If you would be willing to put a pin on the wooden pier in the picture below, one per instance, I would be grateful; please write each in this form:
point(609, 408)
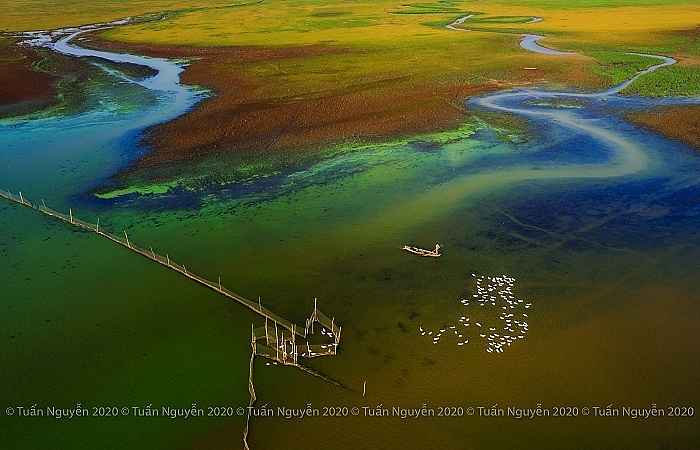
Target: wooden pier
point(269, 316)
point(276, 340)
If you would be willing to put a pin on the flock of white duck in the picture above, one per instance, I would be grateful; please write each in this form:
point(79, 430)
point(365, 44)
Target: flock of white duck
point(494, 292)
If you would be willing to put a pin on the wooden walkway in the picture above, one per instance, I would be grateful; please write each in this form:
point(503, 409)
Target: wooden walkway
point(180, 268)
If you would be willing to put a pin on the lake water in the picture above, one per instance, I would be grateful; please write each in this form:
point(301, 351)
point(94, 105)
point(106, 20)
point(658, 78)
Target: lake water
point(597, 235)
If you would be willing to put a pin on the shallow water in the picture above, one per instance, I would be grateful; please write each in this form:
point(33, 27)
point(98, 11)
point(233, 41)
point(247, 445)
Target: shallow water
point(598, 233)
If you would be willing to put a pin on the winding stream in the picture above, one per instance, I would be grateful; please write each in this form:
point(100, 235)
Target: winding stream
point(78, 151)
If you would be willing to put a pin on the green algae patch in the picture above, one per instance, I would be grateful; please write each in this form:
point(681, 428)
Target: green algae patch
point(141, 190)
point(226, 169)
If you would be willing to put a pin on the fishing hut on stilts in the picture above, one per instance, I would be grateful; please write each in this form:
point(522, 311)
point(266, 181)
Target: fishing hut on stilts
point(280, 344)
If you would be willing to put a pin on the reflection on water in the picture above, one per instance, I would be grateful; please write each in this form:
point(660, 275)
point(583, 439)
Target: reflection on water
point(598, 237)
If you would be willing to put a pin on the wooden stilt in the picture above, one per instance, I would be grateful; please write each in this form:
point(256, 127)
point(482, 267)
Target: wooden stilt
point(294, 347)
point(277, 342)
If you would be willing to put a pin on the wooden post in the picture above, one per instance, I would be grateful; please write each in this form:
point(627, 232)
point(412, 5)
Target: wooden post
point(252, 339)
point(152, 252)
point(20, 197)
point(168, 259)
point(259, 305)
point(70, 211)
point(98, 223)
point(220, 283)
point(294, 340)
point(277, 342)
point(42, 202)
point(127, 239)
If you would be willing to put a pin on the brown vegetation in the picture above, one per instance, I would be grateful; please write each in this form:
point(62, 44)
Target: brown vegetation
point(23, 89)
point(247, 115)
point(681, 123)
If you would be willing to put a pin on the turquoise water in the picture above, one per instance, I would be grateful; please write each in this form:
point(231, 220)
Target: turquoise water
point(596, 222)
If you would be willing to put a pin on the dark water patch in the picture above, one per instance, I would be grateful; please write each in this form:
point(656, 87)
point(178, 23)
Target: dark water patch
point(126, 69)
point(615, 217)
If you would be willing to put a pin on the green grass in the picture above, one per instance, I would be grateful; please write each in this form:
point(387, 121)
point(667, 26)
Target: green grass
point(588, 4)
point(682, 81)
point(619, 67)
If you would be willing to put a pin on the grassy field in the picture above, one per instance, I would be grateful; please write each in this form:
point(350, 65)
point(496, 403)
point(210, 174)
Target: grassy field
point(331, 73)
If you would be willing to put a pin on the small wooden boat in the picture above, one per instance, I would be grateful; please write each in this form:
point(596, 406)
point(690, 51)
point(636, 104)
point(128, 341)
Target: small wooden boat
point(423, 252)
